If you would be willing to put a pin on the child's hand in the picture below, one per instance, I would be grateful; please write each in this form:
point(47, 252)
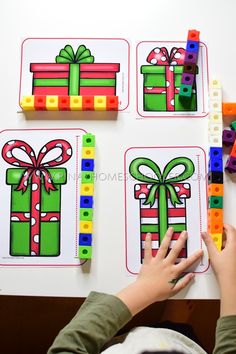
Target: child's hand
point(159, 277)
point(224, 265)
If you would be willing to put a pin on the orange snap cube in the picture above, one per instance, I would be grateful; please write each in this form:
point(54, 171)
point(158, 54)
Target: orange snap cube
point(215, 190)
point(229, 108)
point(233, 150)
point(215, 221)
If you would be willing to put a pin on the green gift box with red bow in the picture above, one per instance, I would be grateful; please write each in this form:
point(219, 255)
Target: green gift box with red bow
point(35, 202)
point(74, 74)
point(161, 81)
point(162, 200)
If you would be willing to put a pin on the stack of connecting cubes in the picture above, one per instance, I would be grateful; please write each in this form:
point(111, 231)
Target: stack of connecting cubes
point(86, 197)
point(215, 167)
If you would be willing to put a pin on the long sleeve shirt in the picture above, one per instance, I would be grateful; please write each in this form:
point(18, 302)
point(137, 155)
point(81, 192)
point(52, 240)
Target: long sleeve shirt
point(102, 316)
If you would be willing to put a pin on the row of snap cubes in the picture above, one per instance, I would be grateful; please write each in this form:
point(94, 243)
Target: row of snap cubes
point(190, 67)
point(86, 197)
point(69, 103)
point(215, 165)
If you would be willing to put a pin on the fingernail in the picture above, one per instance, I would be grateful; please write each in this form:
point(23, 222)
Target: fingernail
point(148, 236)
point(184, 234)
point(192, 276)
point(170, 229)
point(203, 234)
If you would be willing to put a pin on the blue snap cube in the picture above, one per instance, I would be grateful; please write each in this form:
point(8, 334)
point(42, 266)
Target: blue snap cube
point(215, 165)
point(85, 239)
point(192, 46)
point(86, 201)
point(215, 153)
point(87, 165)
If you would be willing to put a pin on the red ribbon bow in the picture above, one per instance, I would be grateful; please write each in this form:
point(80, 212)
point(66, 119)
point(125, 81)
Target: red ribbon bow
point(35, 169)
point(160, 56)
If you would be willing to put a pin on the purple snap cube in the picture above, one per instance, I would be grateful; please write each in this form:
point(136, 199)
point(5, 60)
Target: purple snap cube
point(228, 137)
point(187, 79)
point(190, 57)
point(231, 164)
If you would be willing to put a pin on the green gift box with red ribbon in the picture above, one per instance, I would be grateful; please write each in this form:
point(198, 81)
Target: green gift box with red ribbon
point(74, 74)
point(161, 81)
point(162, 199)
point(35, 214)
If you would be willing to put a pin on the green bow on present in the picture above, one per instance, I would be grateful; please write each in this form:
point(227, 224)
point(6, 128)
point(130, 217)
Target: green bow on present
point(162, 183)
point(68, 56)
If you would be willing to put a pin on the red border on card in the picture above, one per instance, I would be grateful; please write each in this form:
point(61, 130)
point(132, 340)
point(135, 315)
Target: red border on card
point(76, 38)
point(170, 116)
point(199, 197)
point(46, 265)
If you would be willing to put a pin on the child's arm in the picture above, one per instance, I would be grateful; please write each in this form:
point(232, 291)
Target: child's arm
point(97, 321)
point(159, 278)
point(102, 316)
point(224, 266)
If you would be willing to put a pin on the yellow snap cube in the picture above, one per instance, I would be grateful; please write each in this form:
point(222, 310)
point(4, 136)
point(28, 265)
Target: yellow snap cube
point(87, 189)
point(76, 103)
point(86, 227)
point(215, 84)
point(52, 103)
point(88, 152)
point(27, 103)
point(215, 117)
point(100, 103)
point(217, 238)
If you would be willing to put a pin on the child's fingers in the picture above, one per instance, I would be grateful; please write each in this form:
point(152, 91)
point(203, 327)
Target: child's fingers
point(211, 247)
point(148, 248)
point(188, 262)
point(162, 252)
point(183, 282)
point(175, 251)
point(230, 234)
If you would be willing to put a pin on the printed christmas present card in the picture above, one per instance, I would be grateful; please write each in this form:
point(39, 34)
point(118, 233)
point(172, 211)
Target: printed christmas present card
point(75, 67)
point(159, 70)
point(165, 186)
point(40, 194)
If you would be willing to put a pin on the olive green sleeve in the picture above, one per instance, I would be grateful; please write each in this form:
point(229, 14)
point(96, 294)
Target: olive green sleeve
point(97, 321)
point(225, 335)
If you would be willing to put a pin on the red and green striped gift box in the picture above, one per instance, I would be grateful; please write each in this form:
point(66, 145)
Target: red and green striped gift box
point(74, 74)
point(66, 79)
point(149, 216)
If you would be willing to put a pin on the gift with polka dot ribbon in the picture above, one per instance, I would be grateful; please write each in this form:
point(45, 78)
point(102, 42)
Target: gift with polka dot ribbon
point(35, 196)
point(162, 79)
point(162, 199)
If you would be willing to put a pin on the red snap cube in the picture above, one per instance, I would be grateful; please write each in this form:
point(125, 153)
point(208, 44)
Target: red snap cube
point(64, 103)
point(40, 103)
point(88, 103)
point(112, 103)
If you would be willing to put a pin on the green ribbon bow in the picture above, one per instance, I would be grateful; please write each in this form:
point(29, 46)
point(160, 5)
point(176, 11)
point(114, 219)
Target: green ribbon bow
point(162, 183)
point(67, 55)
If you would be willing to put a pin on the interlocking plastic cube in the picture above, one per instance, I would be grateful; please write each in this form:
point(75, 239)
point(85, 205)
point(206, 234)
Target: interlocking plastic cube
point(27, 103)
point(52, 103)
